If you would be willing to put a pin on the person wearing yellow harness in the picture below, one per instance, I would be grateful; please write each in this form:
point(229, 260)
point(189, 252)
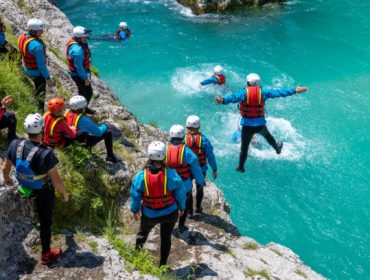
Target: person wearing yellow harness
point(95, 133)
point(183, 159)
point(57, 132)
point(37, 174)
point(157, 196)
point(252, 110)
point(202, 147)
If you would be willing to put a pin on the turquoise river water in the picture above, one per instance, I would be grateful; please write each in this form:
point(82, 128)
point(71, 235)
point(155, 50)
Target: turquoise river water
point(314, 197)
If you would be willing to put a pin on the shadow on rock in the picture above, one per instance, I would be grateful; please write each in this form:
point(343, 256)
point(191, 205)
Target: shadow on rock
point(196, 271)
point(218, 222)
point(72, 258)
point(196, 238)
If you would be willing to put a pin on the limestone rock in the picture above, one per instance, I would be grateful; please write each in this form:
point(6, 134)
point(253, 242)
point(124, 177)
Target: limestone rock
point(214, 6)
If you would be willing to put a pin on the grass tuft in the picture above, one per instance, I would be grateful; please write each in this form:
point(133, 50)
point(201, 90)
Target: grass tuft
point(252, 272)
point(250, 246)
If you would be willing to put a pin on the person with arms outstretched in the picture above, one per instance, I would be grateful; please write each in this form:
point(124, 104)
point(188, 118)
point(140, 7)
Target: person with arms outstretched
point(252, 109)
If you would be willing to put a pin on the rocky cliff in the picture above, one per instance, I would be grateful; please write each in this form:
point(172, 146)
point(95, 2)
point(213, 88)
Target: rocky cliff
point(213, 247)
point(214, 6)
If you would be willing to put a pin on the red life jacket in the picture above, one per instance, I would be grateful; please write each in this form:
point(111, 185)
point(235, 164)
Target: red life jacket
point(87, 60)
point(28, 60)
point(72, 118)
point(52, 138)
point(128, 33)
point(253, 106)
point(156, 195)
point(2, 112)
point(175, 159)
point(194, 142)
point(220, 78)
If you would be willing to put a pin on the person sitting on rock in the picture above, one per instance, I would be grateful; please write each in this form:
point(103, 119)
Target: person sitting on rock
point(216, 79)
point(252, 110)
point(202, 147)
point(123, 33)
point(33, 51)
point(182, 158)
point(8, 119)
point(77, 119)
point(79, 63)
point(57, 132)
point(37, 174)
point(158, 197)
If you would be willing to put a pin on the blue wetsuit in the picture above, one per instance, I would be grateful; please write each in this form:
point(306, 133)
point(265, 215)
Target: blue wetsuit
point(239, 96)
point(250, 126)
point(36, 49)
point(174, 183)
point(212, 80)
point(2, 39)
point(77, 53)
point(87, 125)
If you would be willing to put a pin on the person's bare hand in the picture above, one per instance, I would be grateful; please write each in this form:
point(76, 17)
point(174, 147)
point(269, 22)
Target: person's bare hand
point(137, 216)
point(300, 89)
point(7, 101)
point(219, 100)
point(181, 212)
point(87, 82)
point(214, 175)
point(65, 197)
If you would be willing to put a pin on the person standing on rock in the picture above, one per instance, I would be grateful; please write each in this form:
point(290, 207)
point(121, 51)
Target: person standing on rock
point(202, 147)
point(123, 33)
point(158, 197)
point(252, 109)
point(217, 78)
point(37, 174)
point(33, 51)
point(79, 63)
point(182, 158)
point(77, 119)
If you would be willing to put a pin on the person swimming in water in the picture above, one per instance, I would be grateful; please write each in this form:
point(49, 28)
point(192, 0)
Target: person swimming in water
point(217, 78)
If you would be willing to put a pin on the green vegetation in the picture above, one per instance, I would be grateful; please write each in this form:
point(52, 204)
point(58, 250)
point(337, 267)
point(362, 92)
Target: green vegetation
point(153, 124)
point(301, 273)
point(277, 252)
point(227, 250)
point(250, 246)
point(23, 6)
point(95, 71)
point(10, 36)
point(14, 82)
point(93, 202)
point(252, 272)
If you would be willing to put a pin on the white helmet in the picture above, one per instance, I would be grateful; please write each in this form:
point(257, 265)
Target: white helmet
point(177, 131)
point(156, 150)
point(35, 24)
point(77, 102)
point(33, 123)
point(253, 79)
point(123, 25)
point(81, 32)
point(193, 121)
point(218, 69)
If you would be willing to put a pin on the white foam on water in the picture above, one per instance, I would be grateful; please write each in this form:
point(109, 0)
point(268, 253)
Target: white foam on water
point(294, 144)
point(186, 80)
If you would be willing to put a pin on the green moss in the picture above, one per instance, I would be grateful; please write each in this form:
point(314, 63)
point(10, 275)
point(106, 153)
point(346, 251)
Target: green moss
point(250, 246)
point(10, 36)
point(153, 124)
point(251, 272)
point(227, 250)
point(95, 71)
point(277, 252)
point(23, 6)
point(93, 245)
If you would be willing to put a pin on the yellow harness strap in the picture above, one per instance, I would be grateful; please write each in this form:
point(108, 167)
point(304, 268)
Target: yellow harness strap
point(146, 183)
point(164, 184)
point(53, 126)
point(259, 96)
point(23, 51)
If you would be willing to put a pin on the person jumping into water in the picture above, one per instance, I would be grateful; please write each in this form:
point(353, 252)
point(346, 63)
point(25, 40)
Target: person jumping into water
point(217, 78)
point(252, 109)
